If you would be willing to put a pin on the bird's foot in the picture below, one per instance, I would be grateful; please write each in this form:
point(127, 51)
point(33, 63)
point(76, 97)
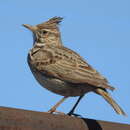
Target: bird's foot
point(71, 113)
point(51, 111)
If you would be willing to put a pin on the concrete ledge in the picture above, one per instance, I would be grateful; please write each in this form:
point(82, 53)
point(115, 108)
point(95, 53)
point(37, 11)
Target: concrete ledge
point(18, 119)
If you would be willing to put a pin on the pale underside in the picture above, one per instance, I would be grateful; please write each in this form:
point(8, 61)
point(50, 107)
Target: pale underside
point(66, 65)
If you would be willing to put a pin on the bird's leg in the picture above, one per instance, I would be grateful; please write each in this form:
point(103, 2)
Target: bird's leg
point(72, 110)
point(53, 109)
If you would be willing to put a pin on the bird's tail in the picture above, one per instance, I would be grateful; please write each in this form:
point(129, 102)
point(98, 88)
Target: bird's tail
point(109, 99)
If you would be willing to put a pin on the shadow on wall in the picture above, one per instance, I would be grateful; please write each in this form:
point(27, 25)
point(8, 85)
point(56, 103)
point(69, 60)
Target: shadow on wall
point(92, 124)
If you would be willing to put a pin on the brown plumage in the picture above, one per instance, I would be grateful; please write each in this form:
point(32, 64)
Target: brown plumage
point(51, 23)
point(62, 70)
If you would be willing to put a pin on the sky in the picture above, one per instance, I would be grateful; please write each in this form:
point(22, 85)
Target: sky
point(98, 30)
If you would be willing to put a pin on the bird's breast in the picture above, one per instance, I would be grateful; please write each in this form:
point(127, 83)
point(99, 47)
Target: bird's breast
point(60, 87)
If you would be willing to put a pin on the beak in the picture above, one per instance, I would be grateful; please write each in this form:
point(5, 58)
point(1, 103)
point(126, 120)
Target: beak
point(31, 28)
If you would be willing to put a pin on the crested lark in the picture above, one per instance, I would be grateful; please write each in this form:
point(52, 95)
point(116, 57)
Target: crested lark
point(62, 70)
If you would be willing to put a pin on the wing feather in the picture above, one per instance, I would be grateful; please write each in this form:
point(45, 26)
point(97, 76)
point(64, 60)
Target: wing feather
point(67, 65)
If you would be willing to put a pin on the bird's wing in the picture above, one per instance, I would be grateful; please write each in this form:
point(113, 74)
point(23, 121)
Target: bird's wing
point(65, 64)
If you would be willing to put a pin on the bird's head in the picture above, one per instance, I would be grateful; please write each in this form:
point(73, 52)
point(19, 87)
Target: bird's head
point(47, 32)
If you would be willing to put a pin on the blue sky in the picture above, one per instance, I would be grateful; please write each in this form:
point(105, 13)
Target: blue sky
point(98, 30)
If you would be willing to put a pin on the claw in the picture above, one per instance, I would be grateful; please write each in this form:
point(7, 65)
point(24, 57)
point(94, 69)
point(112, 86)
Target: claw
point(51, 111)
point(73, 114)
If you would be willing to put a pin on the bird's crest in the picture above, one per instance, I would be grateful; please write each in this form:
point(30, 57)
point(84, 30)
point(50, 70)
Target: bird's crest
point(51, 23)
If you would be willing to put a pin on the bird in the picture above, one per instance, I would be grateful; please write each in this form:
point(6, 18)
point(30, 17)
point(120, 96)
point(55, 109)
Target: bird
point(62, 70)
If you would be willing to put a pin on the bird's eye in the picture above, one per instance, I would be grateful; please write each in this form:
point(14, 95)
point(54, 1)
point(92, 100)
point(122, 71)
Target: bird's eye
point(44, 32)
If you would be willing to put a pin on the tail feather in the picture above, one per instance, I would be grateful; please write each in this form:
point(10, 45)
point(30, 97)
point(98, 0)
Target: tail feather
point(109, 99)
